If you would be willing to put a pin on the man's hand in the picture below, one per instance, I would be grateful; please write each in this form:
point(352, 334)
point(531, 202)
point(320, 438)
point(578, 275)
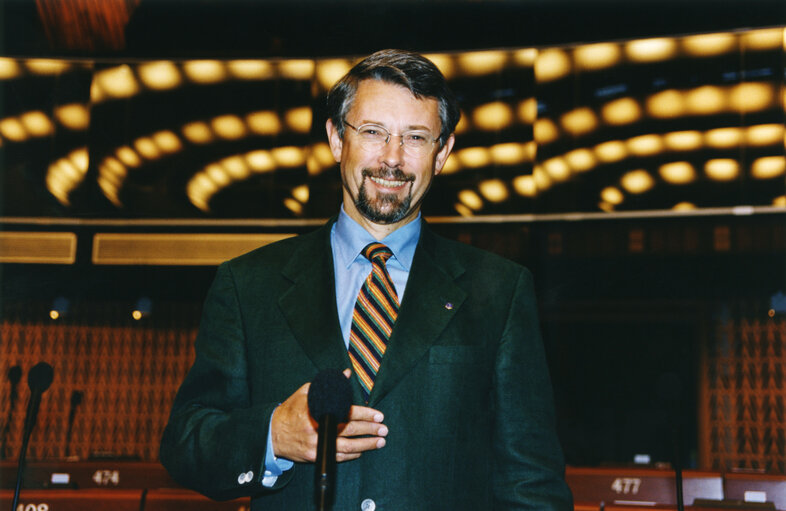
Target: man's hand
point(295, 431)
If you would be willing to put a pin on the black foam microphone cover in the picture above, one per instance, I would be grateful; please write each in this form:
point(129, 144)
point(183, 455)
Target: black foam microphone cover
point(330, 394)
point(40, 377)
point(14, 375)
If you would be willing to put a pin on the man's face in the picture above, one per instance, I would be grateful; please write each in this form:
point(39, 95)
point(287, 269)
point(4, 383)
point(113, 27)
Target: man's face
point(385, 187)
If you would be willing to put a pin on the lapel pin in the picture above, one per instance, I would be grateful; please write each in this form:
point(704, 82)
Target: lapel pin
point(449, 306)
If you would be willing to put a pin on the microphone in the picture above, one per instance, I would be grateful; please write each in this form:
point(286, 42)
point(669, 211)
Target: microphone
point(38, 379)
point(669, 389)
point(14, 375)
point(76, 400)
point(329, 401)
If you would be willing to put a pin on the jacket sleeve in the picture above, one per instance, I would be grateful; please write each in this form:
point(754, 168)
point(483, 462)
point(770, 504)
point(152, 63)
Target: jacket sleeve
point(215, 440)
point(528, 462)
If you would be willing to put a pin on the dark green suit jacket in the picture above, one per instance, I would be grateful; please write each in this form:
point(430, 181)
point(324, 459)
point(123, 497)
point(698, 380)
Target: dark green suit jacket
point(463, 385)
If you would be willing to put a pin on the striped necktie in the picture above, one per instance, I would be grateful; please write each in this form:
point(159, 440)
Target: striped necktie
point(375, 313)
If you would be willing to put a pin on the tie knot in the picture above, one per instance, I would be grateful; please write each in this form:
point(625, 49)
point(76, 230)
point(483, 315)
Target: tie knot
point(377, 252)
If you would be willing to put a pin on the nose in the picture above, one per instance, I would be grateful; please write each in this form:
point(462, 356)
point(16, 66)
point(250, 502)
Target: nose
point(393, 152)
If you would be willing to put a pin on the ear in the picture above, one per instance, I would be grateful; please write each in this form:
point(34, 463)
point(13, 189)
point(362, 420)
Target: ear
point(336, 144)
point(442, 154)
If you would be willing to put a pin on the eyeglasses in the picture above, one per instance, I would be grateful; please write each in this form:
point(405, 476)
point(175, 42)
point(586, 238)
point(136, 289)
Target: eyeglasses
point(374, 137)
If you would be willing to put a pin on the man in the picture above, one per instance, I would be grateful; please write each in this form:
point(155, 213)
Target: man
point(452, 400)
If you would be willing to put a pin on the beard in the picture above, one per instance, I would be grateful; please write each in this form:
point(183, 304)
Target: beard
point(385, 208)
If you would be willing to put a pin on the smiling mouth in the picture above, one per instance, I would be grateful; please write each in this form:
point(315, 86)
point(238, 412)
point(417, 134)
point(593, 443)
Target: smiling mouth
point(396, 180)
point(389, 183)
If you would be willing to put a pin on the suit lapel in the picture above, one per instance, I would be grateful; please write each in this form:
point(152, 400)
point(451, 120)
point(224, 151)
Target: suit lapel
point(431, 299)
point(310, 303)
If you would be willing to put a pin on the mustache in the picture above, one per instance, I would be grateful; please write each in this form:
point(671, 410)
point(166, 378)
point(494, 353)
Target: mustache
point(391, 174)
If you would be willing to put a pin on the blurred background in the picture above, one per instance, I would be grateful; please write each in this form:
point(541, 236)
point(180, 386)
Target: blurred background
point(631, 154)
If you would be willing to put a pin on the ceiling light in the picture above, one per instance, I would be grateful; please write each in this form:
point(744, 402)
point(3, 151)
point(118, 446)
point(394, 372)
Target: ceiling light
point(264, 123)
point(299, 119)
point(551, 65)
point(46, 66)
point(462, 210)
point(74, 116)
point(557, 169)
point(12, 129)
point(289, 156)
point(494, 190)
point(637, 181)
point(525, 57)
point(645, 145)
point(666, 104)
point(492, 116)
point(218, 175)
point(621, 111)
point(611, 151)
point(452, 165)
point(9, 68)
point(470, 199)
point(128, 156)
point(204, 71)
point(160, 75)
point(474, 157)
point(579, 121)
point(765, 39)
point(444, 63)
point(581, 160)
point(706, 45)
point(650, 50)
point(511, 153)
point(768, 167)
point(197, 132)
point(115, 82)
point(527, 110)
point(147, 148)
point(167, 141)
point(677, 173)
point(297, 69)
point(723, 138)
point(612, 195)
point(597, 56)
point(752, 96)
point(765, 134)
point(705, 100)
point(230, 127)
point(722, 169)
point(542, 179)
point(293, 205)
point(684, 206)
point(525, 185)
point(236, 167)
point(37, 123)
point(545, 131)
point(477, 63)
point(301, 193)
point(250, 69)
point(260, 161)
point(683, 140)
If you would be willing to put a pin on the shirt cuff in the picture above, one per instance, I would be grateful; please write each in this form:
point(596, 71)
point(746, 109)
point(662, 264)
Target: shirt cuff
point(274, 466)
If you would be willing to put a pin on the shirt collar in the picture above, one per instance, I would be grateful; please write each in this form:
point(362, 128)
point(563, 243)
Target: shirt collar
point(351, 238)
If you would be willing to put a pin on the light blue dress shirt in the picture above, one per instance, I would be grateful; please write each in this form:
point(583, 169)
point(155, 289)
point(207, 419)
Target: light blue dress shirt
point(350, 267)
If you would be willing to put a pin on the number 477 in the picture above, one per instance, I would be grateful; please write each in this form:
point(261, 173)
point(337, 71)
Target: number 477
point(626, 485)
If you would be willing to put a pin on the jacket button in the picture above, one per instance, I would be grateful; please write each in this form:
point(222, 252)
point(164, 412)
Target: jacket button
point(368, 505)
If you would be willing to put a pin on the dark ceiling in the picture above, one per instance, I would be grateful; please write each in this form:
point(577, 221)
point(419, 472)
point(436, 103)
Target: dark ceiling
point(259, 28)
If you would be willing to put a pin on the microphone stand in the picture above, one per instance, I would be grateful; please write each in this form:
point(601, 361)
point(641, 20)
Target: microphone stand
point(32, 409)
point(38, 379)
point(326, 454)
point(14, 375)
